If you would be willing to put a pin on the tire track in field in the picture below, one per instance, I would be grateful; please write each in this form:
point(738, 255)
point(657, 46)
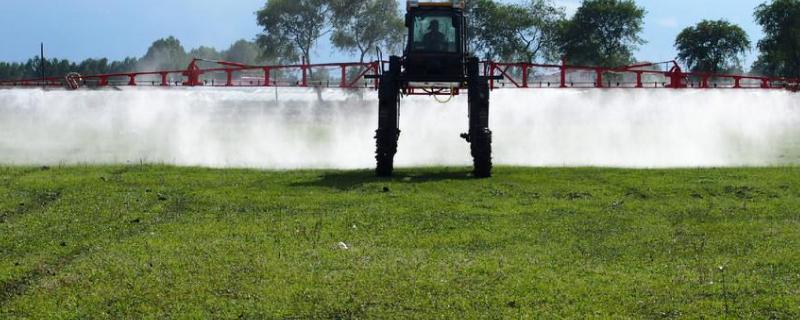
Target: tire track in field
point(178, 203)
point(17, 287)
point(37, 201)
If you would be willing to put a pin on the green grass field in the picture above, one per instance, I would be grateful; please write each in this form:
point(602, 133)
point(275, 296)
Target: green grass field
point(159, 242)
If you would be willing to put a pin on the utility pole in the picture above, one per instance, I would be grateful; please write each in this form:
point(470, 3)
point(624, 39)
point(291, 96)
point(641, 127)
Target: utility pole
point(41, 65)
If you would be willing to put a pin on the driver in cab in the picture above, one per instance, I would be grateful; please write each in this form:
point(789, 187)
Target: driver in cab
point(434, 40)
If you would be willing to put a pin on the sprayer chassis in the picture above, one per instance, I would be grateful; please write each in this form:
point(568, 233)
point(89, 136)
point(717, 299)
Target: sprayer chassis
point(394, 81)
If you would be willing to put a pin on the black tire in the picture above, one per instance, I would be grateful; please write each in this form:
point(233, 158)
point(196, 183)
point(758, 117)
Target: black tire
point(479, 136)
point(388, 132)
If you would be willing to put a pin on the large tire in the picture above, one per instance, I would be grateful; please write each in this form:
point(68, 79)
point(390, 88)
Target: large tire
point(479, 136)
point(388, 132)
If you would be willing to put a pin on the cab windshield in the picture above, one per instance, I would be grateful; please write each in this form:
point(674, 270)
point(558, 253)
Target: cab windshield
point(434, 33)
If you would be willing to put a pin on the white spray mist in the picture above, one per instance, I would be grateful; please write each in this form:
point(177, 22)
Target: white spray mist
point(291, 128)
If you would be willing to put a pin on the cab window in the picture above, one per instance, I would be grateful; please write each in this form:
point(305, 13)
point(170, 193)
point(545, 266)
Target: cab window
point(434, 33)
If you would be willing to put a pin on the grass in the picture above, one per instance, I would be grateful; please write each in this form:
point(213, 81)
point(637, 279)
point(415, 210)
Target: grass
point(162, 242)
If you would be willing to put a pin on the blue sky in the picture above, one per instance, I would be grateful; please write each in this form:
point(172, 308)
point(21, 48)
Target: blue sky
point(79, 29)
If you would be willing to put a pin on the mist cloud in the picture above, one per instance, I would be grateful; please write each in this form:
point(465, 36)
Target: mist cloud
point(290, 128)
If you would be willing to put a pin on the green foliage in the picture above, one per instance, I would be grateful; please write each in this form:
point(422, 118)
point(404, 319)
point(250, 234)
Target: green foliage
point(602, 33)
point(11, 70)
point(514, 31)
point(60, 67)
point(94, 66)
point(780, 47)
point(133, 242)
point(292, 27)
point(712, 46)
point(361, 25)
point(126, 65)
point(165, 54)
point(204, 52)
point(244, 51)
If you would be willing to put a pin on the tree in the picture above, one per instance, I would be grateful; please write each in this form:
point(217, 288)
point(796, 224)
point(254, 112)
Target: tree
point(11, 70)
point(93, 66)
point(204, 52)
point(712, 46)
point(57, 68)
point(361, 25)
point(780, 47)
point(483, 32)
point(535, 28)
point(127, 65)
point(602, 33)
point(243, 51)
point(292, 27)
point(165, 54)
point(525, 31)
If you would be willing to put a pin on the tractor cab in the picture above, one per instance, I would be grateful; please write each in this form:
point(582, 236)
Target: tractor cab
point(436, 46)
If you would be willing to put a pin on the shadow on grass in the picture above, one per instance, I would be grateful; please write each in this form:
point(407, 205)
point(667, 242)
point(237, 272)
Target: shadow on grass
point(346, 180)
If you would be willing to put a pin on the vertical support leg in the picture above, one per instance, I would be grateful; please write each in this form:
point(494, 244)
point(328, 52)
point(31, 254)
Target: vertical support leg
point(639, 80)
point(343, 82)
point(375, 71)
point(229, 78)
point(305, 76)
point(599, 79)
point(491, 75)
point(492, 68)
point(525, 68)
point(266, 77)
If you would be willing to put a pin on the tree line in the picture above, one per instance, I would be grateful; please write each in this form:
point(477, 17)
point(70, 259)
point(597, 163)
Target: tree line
point(600, 33)
point(164, 54)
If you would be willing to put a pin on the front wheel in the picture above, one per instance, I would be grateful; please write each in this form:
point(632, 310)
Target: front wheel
point(386, 145)
point(481, 146)
point(479, 136)
point(388, 132)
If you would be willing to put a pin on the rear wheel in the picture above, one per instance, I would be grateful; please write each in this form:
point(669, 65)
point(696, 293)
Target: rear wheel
point(388, 132)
